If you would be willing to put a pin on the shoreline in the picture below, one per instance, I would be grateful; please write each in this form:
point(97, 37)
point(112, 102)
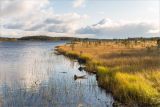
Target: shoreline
point(110, 79)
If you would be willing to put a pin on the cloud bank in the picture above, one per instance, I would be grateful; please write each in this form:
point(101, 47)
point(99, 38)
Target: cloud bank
point(32, 17)
point(106, 28)
point(21, 7)
point(36, 16)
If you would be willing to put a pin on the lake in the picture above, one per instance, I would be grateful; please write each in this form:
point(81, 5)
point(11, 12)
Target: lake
point(31, 75)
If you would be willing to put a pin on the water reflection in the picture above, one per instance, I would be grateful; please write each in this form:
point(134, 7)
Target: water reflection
point(32, 76)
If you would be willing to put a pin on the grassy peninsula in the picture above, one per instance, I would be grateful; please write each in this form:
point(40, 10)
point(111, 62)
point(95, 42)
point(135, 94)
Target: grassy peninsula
point(129, 68)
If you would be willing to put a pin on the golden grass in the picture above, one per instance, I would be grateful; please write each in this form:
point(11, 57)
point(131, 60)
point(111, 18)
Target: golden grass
point(128, 69)
point(130, 87)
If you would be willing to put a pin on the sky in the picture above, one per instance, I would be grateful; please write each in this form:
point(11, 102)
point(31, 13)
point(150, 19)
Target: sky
point(80, 18)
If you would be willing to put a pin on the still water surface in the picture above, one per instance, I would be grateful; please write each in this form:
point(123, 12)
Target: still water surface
point(31, 75)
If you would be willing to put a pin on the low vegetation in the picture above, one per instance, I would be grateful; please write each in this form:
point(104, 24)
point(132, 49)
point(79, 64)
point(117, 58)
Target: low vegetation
point(45, 38)
point(7, 39)
point(129, 69)
point(40, 38)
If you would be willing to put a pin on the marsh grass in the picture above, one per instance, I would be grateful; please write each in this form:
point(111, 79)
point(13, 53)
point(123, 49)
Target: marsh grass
point(130, 70)
point(129, 87)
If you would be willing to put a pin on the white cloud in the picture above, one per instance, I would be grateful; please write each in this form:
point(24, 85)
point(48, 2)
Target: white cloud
point(20, 7)
point(107, 28)
point(65, 23)
point(154, 31)
point(78, 3)
point(19, 33)
point(36, 16)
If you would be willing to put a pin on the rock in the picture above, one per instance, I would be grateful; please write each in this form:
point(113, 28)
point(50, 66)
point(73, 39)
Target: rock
point(79, 77)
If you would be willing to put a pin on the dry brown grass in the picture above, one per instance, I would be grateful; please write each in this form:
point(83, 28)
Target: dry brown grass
point(130, 69)
point(140, 56)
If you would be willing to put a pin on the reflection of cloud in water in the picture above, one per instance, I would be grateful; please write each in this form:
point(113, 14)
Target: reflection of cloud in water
point(47, 96)
point(24, 65)
point(35, 80)
point(36, 68)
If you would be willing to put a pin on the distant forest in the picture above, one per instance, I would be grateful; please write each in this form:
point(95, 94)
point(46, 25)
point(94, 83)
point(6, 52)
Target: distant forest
point(48, 38)
point(37, 38)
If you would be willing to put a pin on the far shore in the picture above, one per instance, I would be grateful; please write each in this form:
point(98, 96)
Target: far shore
point(36, 38)
point(49, 38)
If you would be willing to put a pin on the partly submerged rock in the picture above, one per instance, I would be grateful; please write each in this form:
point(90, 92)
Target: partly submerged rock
point(79, 77)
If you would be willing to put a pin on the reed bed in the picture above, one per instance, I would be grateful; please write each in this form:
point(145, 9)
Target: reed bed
point(129, 69)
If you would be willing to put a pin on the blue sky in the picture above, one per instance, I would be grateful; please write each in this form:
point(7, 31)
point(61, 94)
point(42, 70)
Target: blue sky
point(82, 18)
point(115, 9)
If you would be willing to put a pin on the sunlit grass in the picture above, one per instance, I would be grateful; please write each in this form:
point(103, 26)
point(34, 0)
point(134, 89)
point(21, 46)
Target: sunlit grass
point(134, 87)
point(131, 87)
point(130, 70)
point(86, 57)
